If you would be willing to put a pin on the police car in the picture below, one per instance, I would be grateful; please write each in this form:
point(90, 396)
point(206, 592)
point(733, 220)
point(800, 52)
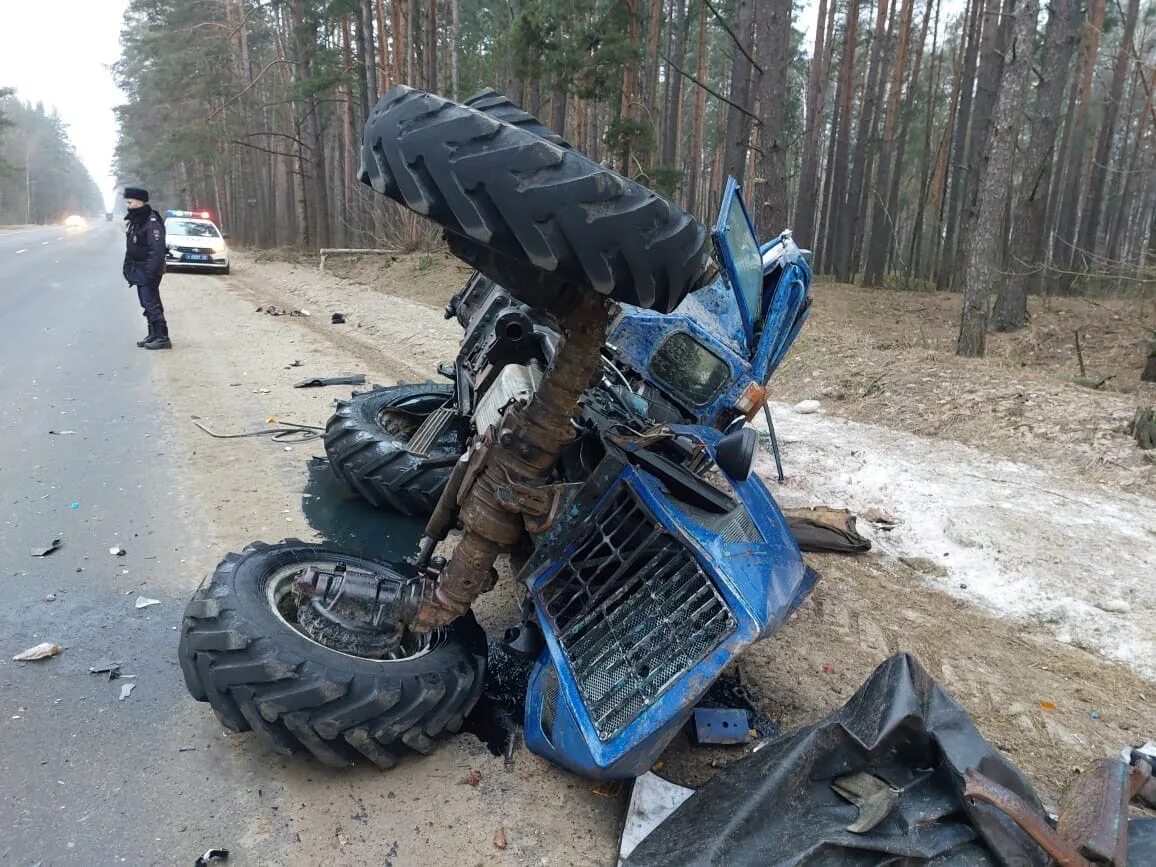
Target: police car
point(194, 241)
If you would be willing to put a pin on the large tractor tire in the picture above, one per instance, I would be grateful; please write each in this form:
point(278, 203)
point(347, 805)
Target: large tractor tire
point(512, 202)
point(366, 441)
point(243, 651)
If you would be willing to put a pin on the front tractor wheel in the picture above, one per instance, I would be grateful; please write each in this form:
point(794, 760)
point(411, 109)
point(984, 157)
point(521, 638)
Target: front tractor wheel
point(244, 651)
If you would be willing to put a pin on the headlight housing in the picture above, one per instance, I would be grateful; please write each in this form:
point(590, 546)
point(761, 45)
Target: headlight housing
point(217, 246)
point(689, 369)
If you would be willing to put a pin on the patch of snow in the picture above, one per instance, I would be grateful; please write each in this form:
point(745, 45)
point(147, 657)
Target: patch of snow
point(1076, 559)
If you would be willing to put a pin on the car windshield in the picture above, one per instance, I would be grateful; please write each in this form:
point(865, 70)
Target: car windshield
point(189, 228)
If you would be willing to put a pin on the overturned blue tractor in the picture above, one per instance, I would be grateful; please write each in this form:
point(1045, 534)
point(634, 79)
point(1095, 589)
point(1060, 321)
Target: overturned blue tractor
point(593, 429)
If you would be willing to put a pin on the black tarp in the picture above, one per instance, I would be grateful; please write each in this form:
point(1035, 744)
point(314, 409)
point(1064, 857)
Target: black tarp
point(776, 806)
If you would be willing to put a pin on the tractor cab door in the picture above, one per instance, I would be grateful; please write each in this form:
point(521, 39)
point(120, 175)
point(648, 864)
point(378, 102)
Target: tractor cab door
point(771, 283)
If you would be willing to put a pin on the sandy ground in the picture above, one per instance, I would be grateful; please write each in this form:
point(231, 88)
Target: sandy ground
point(231, 368)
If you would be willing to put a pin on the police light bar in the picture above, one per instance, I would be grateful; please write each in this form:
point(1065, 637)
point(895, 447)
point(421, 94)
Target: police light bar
point(203, 215)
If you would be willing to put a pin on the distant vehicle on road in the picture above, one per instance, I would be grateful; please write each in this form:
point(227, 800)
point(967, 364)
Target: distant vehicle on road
point(108, 216)
point(195, 242)
point(75, 223)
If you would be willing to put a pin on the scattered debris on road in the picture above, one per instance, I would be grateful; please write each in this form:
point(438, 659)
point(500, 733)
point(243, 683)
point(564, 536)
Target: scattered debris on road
point(338, 319)
point(210, 856)
point(281, 311)
point(288, 432)
point(318, 381)
point(40, 651)
point(500, 838)
point(50, 597)
point(126, 690)
point(471, 779)
point(54, 545)
point(145, 602)
point(117, 551)
point(61, 433)
point(106, 666)
point(807, 407)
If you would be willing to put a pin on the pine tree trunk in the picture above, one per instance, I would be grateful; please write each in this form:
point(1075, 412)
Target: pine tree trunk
point(1026, 260)
point(738, 129)
point(455, 53)
point(1090, 239)
point(983, 232)
point(400, 42)
point(841, 215)
point(883, 226)
point(917, 254)
point(774, 31)
point(382, 59)
point(365, 50)
point(652, 65)
point(1066, 215)
point(872, 149)
point(680, 23)
point(431, 46)
point(826, 247)
point(957, 168)
point(804, 222)
point(1127, 201)
point(696, 136)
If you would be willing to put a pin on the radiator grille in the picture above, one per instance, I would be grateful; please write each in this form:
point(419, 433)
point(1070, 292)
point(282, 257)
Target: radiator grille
point(633, 611)
point(549, 702)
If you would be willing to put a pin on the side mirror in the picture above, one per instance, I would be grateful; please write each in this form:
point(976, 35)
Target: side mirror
point(736, 453)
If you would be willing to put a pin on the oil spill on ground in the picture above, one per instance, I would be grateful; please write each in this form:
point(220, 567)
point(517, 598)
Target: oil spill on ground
point(497, 717)
point(342, 517)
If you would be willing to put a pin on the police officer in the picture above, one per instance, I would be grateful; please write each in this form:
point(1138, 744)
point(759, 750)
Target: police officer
point(144, 263)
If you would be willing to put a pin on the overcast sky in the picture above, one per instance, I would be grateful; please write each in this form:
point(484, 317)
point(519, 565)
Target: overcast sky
point(58, 52)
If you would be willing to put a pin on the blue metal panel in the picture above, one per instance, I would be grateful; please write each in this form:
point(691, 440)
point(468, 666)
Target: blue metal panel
point(761, 582)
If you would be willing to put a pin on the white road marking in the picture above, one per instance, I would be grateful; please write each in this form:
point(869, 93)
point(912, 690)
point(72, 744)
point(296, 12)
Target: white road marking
point(25, 250)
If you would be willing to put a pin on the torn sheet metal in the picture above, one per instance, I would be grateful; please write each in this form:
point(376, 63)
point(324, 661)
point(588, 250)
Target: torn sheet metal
point(651, 801)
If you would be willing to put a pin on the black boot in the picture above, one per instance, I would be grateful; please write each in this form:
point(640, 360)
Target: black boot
point(160, 339)
point(152, 333)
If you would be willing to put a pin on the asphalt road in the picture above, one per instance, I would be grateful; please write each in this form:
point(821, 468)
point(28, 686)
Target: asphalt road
point(89, 778)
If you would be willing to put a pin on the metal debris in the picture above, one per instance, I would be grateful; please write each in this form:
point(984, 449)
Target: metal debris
point(210, 856)
point(117, 551)
point(54, 545)
point(874, 798)
point(145, 602)
point(106, 666)
point(718, 725)
point(317, 381)
point(40, 651)
point(126, 690)
point(651, 801)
